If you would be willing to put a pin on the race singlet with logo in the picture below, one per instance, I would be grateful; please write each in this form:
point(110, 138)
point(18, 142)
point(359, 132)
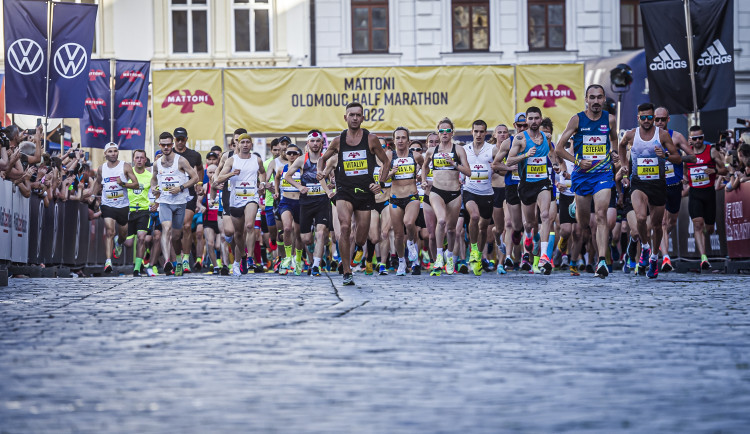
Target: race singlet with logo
point(355, 164)
point(591, 142)
point(440, 161)
point(113, 194)
point(536, 168)
point(287, 187)
point(407, 168)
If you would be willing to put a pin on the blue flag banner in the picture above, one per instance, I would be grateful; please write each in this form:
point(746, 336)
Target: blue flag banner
point(25, 56)
point(96, 121)
point(131, 99)
point(73, 27)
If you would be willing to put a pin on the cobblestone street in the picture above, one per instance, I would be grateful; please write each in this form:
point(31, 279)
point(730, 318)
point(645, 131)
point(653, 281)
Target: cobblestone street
point(520, 353)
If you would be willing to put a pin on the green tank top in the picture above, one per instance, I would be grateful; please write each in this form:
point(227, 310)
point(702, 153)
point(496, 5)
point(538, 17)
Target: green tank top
point(269, 195)
point(139, 197)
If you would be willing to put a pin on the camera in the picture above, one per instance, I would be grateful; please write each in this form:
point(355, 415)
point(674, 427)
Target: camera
point(4, 140)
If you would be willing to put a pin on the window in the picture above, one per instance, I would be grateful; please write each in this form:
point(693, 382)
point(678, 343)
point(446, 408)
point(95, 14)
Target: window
point(631, 28)
point(252, 31)
point(189, 26)
point(470, 25)
point(546, 25)
point(370, 26)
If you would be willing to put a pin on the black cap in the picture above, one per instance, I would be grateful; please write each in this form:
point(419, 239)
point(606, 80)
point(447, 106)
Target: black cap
point(285, 139)
point(180, 132)
point(212, 155)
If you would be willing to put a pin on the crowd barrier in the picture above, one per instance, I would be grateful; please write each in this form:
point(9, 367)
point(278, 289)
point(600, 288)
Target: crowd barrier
point(61, 234)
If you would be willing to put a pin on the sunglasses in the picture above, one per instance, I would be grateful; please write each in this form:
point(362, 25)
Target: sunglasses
point(521, 125)
point(660, 119)
point(292, 153)
point(415, 149)
point(644, 117)
point(446, 130)
point(696, 137)
point(165, 144)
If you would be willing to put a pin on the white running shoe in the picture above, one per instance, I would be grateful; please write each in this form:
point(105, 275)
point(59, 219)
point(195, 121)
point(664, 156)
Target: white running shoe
point(401, 268)
point(413, 254)
point(236, 269)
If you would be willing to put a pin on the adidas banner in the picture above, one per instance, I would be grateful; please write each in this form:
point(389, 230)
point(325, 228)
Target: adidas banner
point(664, 33)
point(713, 42)
point(131, 97)
point(96, 124)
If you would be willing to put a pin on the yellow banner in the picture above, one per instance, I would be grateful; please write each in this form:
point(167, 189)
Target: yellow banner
point(297, 100)
point(190, 99)
point(556, 89)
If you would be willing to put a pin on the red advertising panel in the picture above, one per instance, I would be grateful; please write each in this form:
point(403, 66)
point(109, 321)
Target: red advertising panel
point(738, 222)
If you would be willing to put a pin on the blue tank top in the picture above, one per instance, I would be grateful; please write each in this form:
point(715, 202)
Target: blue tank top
point(512, 177)
point(673, 172)
point(591, 142)
point(534, 169)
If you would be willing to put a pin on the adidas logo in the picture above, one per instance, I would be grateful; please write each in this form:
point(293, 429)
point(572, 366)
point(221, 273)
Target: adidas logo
point(667, 59)
point(715, 54)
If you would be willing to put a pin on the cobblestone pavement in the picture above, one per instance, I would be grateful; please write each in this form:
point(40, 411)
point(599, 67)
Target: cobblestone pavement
point(518, 353)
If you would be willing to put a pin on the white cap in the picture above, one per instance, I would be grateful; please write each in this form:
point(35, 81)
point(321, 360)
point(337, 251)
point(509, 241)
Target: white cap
point(110, 145)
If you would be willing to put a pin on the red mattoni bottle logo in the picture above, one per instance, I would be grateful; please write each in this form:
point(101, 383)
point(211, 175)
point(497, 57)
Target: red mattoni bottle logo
point(132, 75)
point(129, 132)
point(131, 104)
point(549, 94)
point(96, 131)
point(93, 103)
point(188, 100)
point(94, 73)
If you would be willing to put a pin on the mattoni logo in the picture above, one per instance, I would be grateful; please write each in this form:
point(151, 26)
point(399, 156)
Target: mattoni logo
point(130, 104)
point(187, 100)
point(25, 56)
point(95, 102)
point(595, 139)
point(129, 132)
point(550, 94)
point(715, 54)
point(96, 131)
point(94, 73)
point(667, 59)
point(132, 75)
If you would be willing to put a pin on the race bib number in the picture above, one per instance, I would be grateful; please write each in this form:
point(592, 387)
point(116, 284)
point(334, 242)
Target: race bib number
point(536, 168)
point(376, 177)
point(440, 161)
point(114, 194)
point(355, 163)
point(594, 148)
point(480, 174)
point(406, 168)
point(420, 192)
point(648, 168)
point(669, 170)
point(138, 190)
point(699, 177)
point(315, 190)
point(428, 178)
point(244, 191)
point(286, 187)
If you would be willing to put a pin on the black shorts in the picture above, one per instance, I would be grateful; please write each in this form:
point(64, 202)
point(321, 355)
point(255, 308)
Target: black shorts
point(563, 209)
point(360, 201)
point(447, 196)
point(225, 200)
point(426, 199)
point(702, 203)
point(211, 224)
point(192, 204)
point(138, 221)
point(484, 203)
point(656, 191)
point(674, 198)
point(317, 212)
point(402, 202)
point(499, 197)
point(420, 220)
point(529, 191)
point(240, 212)
point(511, 194)
point(613, 198)
point(119, 215)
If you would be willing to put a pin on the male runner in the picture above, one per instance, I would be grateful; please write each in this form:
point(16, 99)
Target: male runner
point(648, 188)
point(114, 177)
point(593, 131)
point(196, 162)
point(139, 214)
point(501, 133)
point(355, 187)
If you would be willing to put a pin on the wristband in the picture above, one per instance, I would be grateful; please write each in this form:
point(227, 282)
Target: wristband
point(382, 185)
point(182, 187)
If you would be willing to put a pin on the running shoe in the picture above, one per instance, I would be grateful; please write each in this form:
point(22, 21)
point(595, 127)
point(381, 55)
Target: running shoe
point(666, 266)
point(259, 269)
point(425, 258)
point(286, 264)
point(224, 270)
point(501, 270)
point(590, 268)
point(198, 265)
point(602, 270)
point(117, 250)
point(450, 266)
point(488, 266)
point(626, 265)
point(236, 269)
point(437, 266)
point(108, 266)
point(186, 265)
point(178, 269)
point(243, 265)
point(368, 269)
point(413, 253)
point(535, 270)
point(298, 268)
point(705, 266)
point(348, 279)
point(334, 265)
point(574, 270)
point(653, 269)
point(382, 270)
point(565, 263)
point(276, 264)
point(168, 268)
point(477, 268)
point(216, 271)
point(401, 269)
point(315, 270)
point(508, 263)
point(545, 265)
point(358, 255)
point(525, 264)
point(151, 271)
point(136, 272)
point(416, 270)
point(645, 255)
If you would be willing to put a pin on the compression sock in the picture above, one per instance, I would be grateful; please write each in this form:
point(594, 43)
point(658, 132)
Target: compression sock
point(550, 246)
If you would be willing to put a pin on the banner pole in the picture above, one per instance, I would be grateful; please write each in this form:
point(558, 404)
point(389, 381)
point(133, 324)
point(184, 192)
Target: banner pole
point(691, 59)
point(50, 5)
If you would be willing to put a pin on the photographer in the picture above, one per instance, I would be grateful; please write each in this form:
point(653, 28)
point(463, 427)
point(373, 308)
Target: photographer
point(23, 153)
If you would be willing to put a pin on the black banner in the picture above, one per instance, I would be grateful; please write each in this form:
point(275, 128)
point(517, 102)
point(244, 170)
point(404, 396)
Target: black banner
point(668, 71)
point(713, 45)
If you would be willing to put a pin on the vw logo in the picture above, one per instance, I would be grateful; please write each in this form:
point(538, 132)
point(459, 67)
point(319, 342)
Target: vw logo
point(70, 60)
point(25, 56)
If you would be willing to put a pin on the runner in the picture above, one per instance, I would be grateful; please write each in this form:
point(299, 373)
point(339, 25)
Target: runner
point(500, 134)
point(380, 223)
point(593, 130)
point(432, 140)
point(647, 180)
point(289, 210)
point(139, 214)
point(170, 181)
point(211, 220)
point(271, 206)
point(113, 178)
point(447, 162)
point(242, 170)
point(314, 198)
point(195, 160)
point(478, 195)
point(530, 151)
point(702, 194)
point(404, 200)
point(356, 149)
point(227, 225)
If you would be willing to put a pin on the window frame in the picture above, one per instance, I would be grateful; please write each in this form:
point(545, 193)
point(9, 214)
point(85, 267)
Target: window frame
point(252, 6)
point(471, 4)
point(189, 7)
point(637, 23)
point(370, 5)
point(546, 4)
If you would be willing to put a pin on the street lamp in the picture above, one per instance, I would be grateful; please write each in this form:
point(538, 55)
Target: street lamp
point(620, 78)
